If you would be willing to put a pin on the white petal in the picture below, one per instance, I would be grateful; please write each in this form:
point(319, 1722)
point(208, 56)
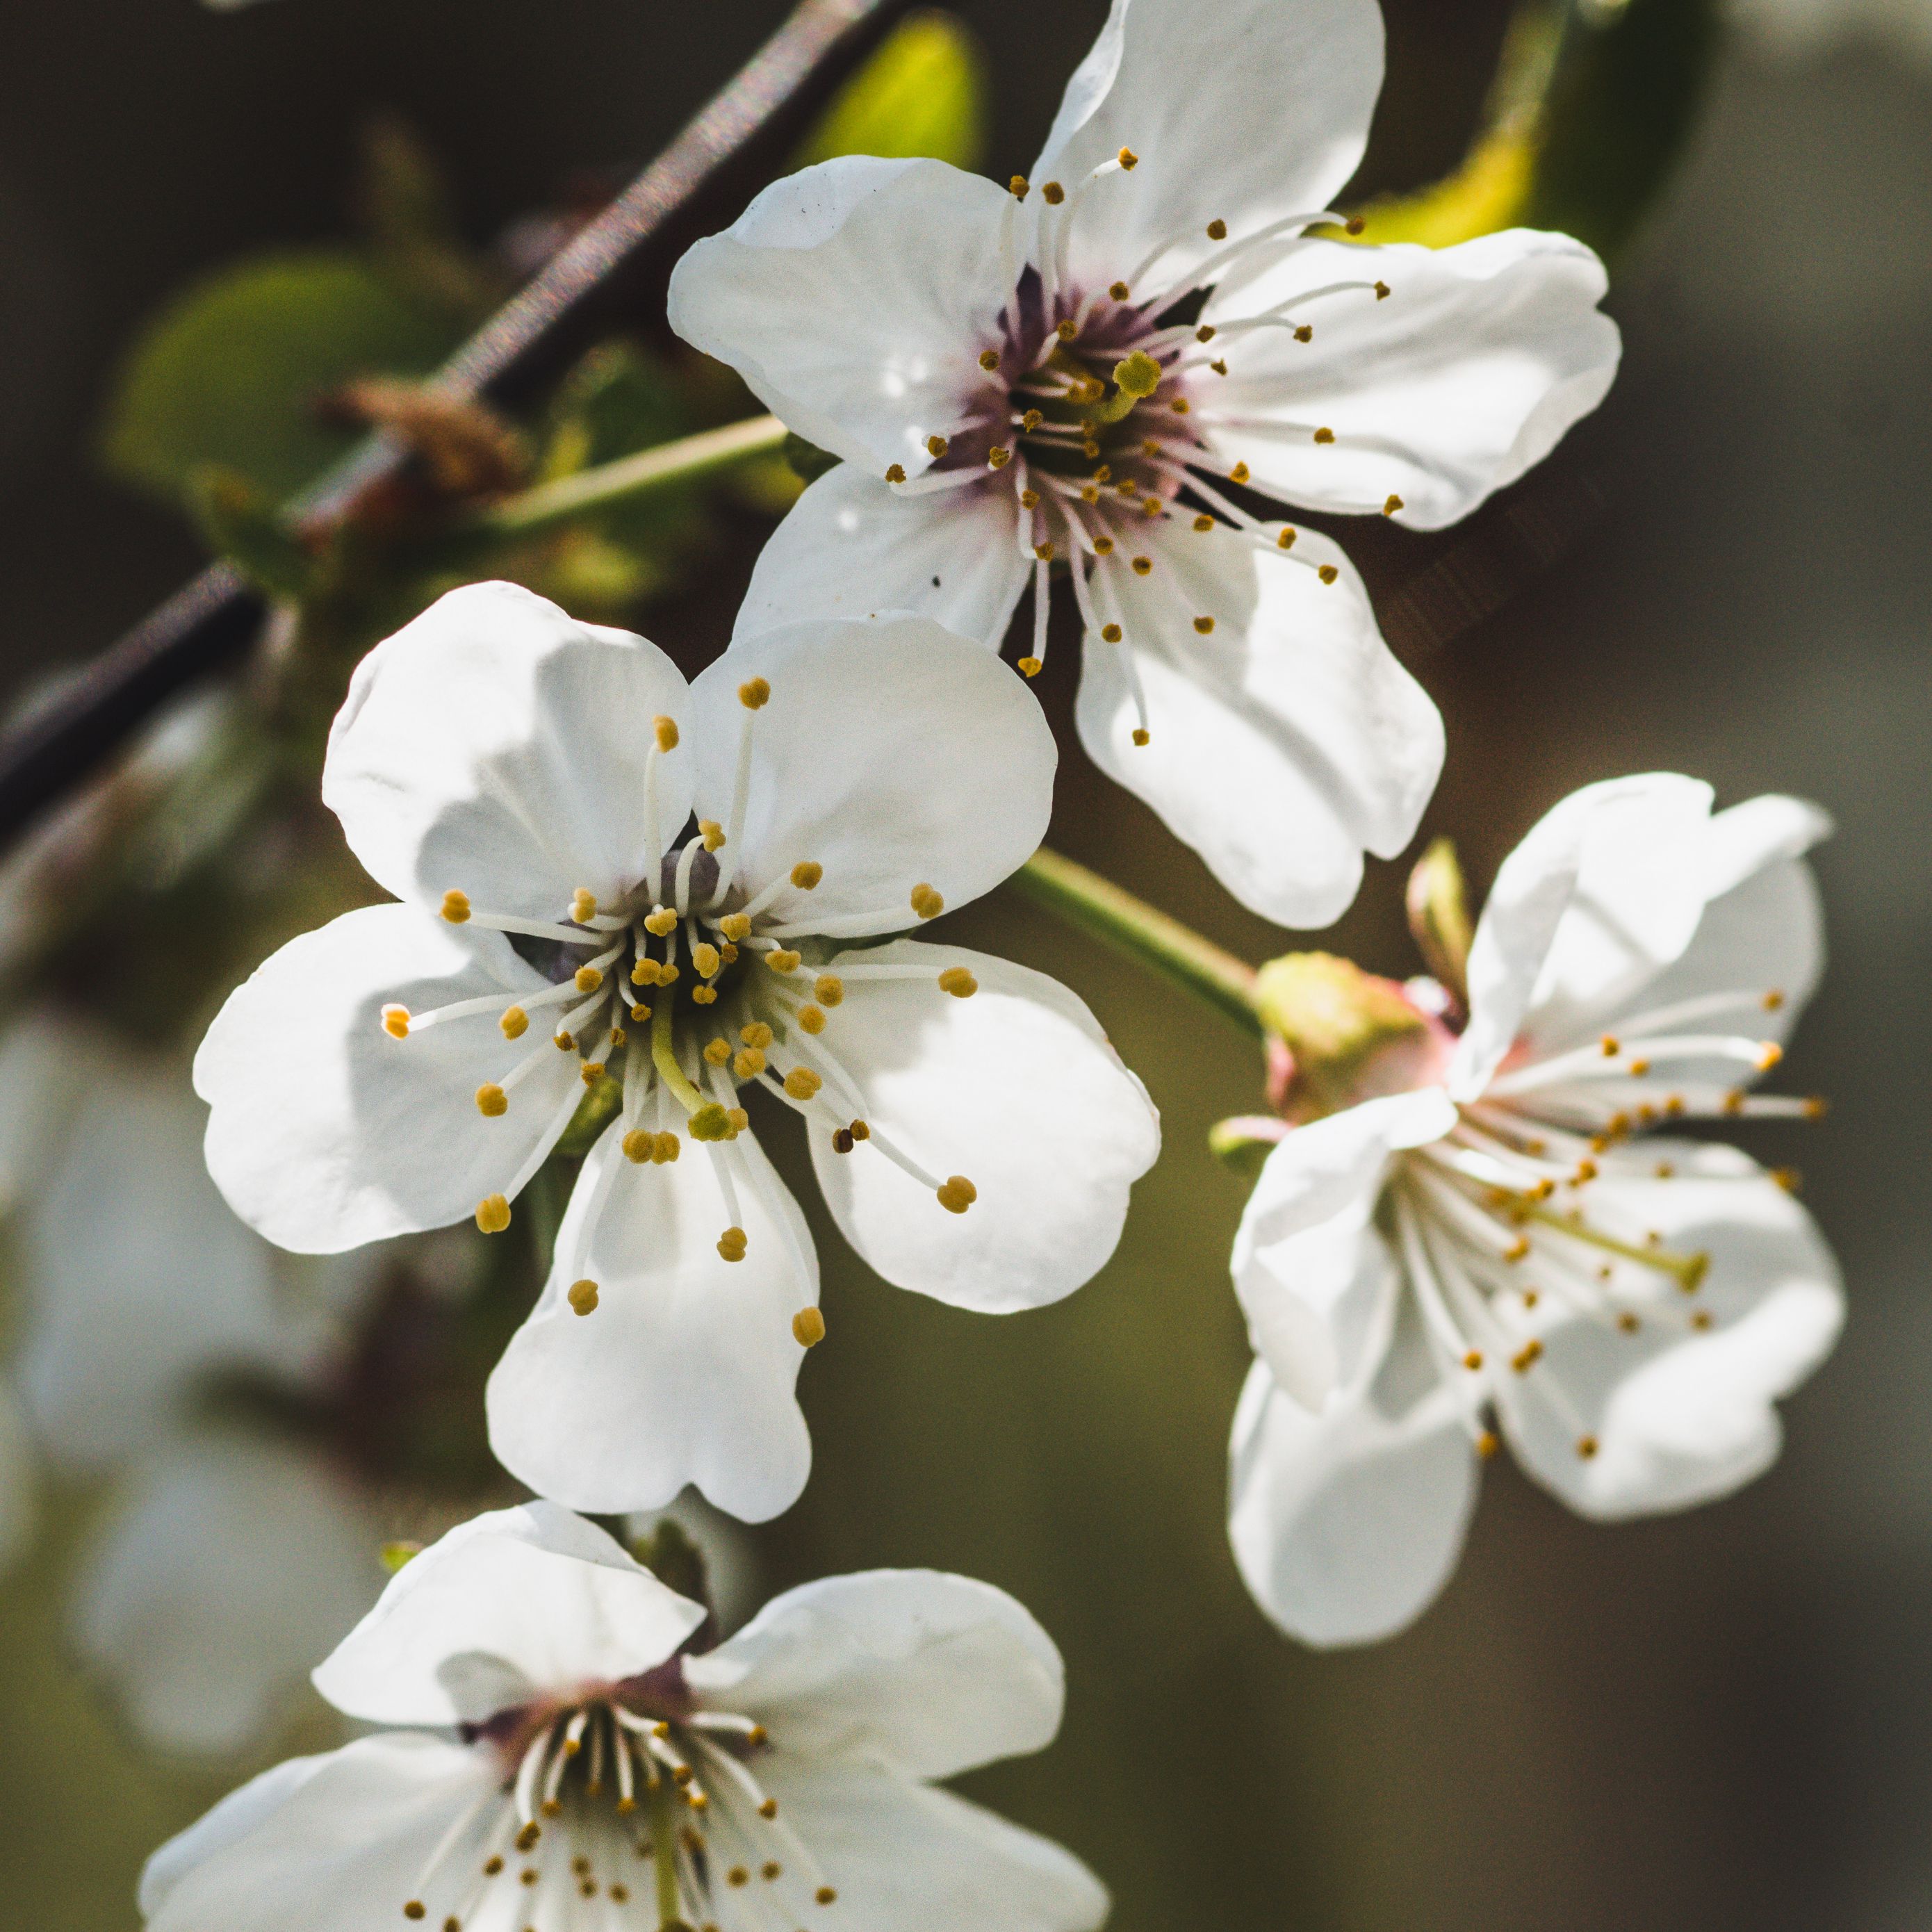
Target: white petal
point(495, 747)
point(685, 1371)
point(334, 1844)
point(139, 1276)
point(1016, 1089)
point(225, 1576)
point(901, 1855)
point(1469, 373)
point(1604, 891)
point(834, 298)
point(925, 1673)
point(854, 546)
point(506, 1607)
point(1282, 745)
point(893, 754)
point(1311, 1270)
point(1681, 1417)
point(1244, 114)
point(326, 1133)
point(1346, 1525)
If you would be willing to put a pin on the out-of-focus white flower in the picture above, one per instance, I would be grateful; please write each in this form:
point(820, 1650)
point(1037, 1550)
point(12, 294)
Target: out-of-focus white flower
point(1123, 367)
point(1807, 27)
point(656, 914)
point(556, 1758)
point(1518, 1238)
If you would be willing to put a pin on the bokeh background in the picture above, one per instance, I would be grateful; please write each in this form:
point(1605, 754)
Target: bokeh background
point(1720, 1721)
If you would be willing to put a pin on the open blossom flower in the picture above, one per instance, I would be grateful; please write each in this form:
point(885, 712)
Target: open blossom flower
point(625, 900)
point(1120, 369)
point(1515, 1243)
point(558, 1756)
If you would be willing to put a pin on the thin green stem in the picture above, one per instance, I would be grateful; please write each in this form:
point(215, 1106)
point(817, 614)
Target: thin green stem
point(632, 478)
point(1132, 926)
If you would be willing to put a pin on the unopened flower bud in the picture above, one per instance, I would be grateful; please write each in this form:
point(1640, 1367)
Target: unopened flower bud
point(1438, 916)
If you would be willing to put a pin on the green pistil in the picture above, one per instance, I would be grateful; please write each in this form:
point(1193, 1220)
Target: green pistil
point(664, 1054)
point(1687, 1270)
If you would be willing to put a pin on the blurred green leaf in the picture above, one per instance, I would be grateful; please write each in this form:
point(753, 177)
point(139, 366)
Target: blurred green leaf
point(239, 521)
point(406, 209)
point(923, 93)
point(230, 370)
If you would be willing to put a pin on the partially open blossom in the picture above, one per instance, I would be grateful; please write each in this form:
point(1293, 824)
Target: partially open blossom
point(626, 902)
point(1518, 1243)
point(556, 1753)
point(1122, 367)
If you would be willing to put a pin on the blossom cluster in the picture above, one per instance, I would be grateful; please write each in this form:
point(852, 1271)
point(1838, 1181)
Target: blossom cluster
point(635, 920)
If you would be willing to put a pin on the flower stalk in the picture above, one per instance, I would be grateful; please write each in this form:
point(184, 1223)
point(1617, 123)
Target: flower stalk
point(1131, 926)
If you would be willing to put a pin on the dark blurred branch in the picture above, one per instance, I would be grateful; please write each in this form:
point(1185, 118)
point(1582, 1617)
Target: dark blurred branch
point(616, 268)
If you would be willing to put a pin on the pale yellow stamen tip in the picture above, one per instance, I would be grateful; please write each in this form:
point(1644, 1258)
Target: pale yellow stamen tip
point(936, 446)
point(588, 979)
point(959, 982)
point(781, 961)
point(811, 1020)
point(749, 1062)
point(926, 902)
point(828, 989)
point(754, 693)
point(801, 1084)
point(492, 1102)
point(665, 730)
point(705, 957)
point(582, 905)
point(808, 1327)
point(456, 907)
point(711, 833)
point(806, 875)
point(737, 1120)
point(956, 1194)
point(583, 1297)
point(1142, 736)
point(515, 1023)
point(717, 1052)
point(660, 921)
point(1768, 1055)
point(757, 1033)
point(665, 1149)
point(396, 1022)
point(492, 1214)
point(1030, 667)
point(731, 1244)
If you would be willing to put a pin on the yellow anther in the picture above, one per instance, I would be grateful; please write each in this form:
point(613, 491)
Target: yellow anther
point(1773, 1001)
point(717, 1051)
point(1612, 1046)
point(926, 902)
point(1325, 436)
point(1103, 546)
point(396, 1022)
point(737, 1120)
point(731, 1244)
point(1286, 540)
point(564, 1043)
point(1526, 1357)
point(1066, 331)
point(455, 907)
point(492, 1214)
point(1044, 551)
point(754, 693)
point(1181, 406)
point(747, 1062)
point(801, 1084)
point(1518, 1249)
point(515, 1022)
point(703, 996)
point(1586, 1170)
point(415, 1909)
point(1090, 494)
point(1768, 1055)
point(1053, 194)
point(1110, 634)
point(782, 960)
point(618, 1035)
point(1030, 667)
point(936, 446)
point(1393, 504)
point(705, 957)
point(1586, 1446)
point(644, 972)
point(806, 875)
point(711, 833)
point(734, 926)
point(1381, 291)
point(665, 731)
point(1118, 290)
point(808, 1327)
point(1628, 1323)
point(1817, 1107)
point(1304, 334)
point(637, 1144)
point(1219, 365)
point(989, 360)
point(769, 1871)
point(1473, 1360)
point(1203, 523)
point(959, 982)
point(957, 1194)
point(1217, 231)
point(583, 905)
point(583, 1297)
point(1128, 159)
point(1487, 1443)
point(591, 1072)
point(997, 458)
point(665, 1149)
point(1701, 1320)
point(1142, 565)
point(588, 979)
point(811, 1020)
point(860, 1131)
point(660, 921)
point(1327, 573)
point(1142, 736)
point(1205, 625)
point(1531, 1296)
point(1789, 1178)
point(1239, 473)
point(492, 1102)
point(1354, 224)
point(895, 473)
point(1018, 187)
point(756, 1034)
point(828, 989)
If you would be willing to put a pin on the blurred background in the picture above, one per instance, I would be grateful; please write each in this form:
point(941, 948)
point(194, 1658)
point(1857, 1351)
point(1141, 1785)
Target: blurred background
point(1720, 1721)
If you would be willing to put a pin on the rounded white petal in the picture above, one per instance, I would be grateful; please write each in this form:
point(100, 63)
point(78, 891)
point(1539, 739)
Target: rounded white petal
point(139, 1276)
point(1312, 1271)
point(901, 1854)
point(506, 1607)
point(685, 1371)
point(226, 1575)
point(495, 747)
point(1679, 1416)
point(1251, 111)
point(1014, 1088)
point(1604, 891)
point(915, 1670)
point(334, 1844)
point(325, 1132)
point(1467, 373)
point(853, 297)
point(1282, 745)
point(854, 546)
point(1346, 1525)
point(893, 755)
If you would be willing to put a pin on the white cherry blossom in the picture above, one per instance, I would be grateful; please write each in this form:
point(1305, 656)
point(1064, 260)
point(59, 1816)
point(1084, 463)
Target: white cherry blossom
point(1121, 369)
point(1523, 1246)
point(621, 892)
point(555, 1753)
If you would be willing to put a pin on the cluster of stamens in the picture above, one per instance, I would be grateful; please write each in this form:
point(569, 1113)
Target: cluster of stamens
point(676, 998)
point(622, 1808)
point(1496, 1223)
point(1094, 407)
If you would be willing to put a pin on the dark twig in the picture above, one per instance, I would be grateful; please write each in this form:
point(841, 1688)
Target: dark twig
point(617, 267)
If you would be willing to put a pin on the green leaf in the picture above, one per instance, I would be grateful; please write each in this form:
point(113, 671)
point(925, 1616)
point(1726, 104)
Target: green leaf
point(923, 93)
point(240, 524)
point(230, 371)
